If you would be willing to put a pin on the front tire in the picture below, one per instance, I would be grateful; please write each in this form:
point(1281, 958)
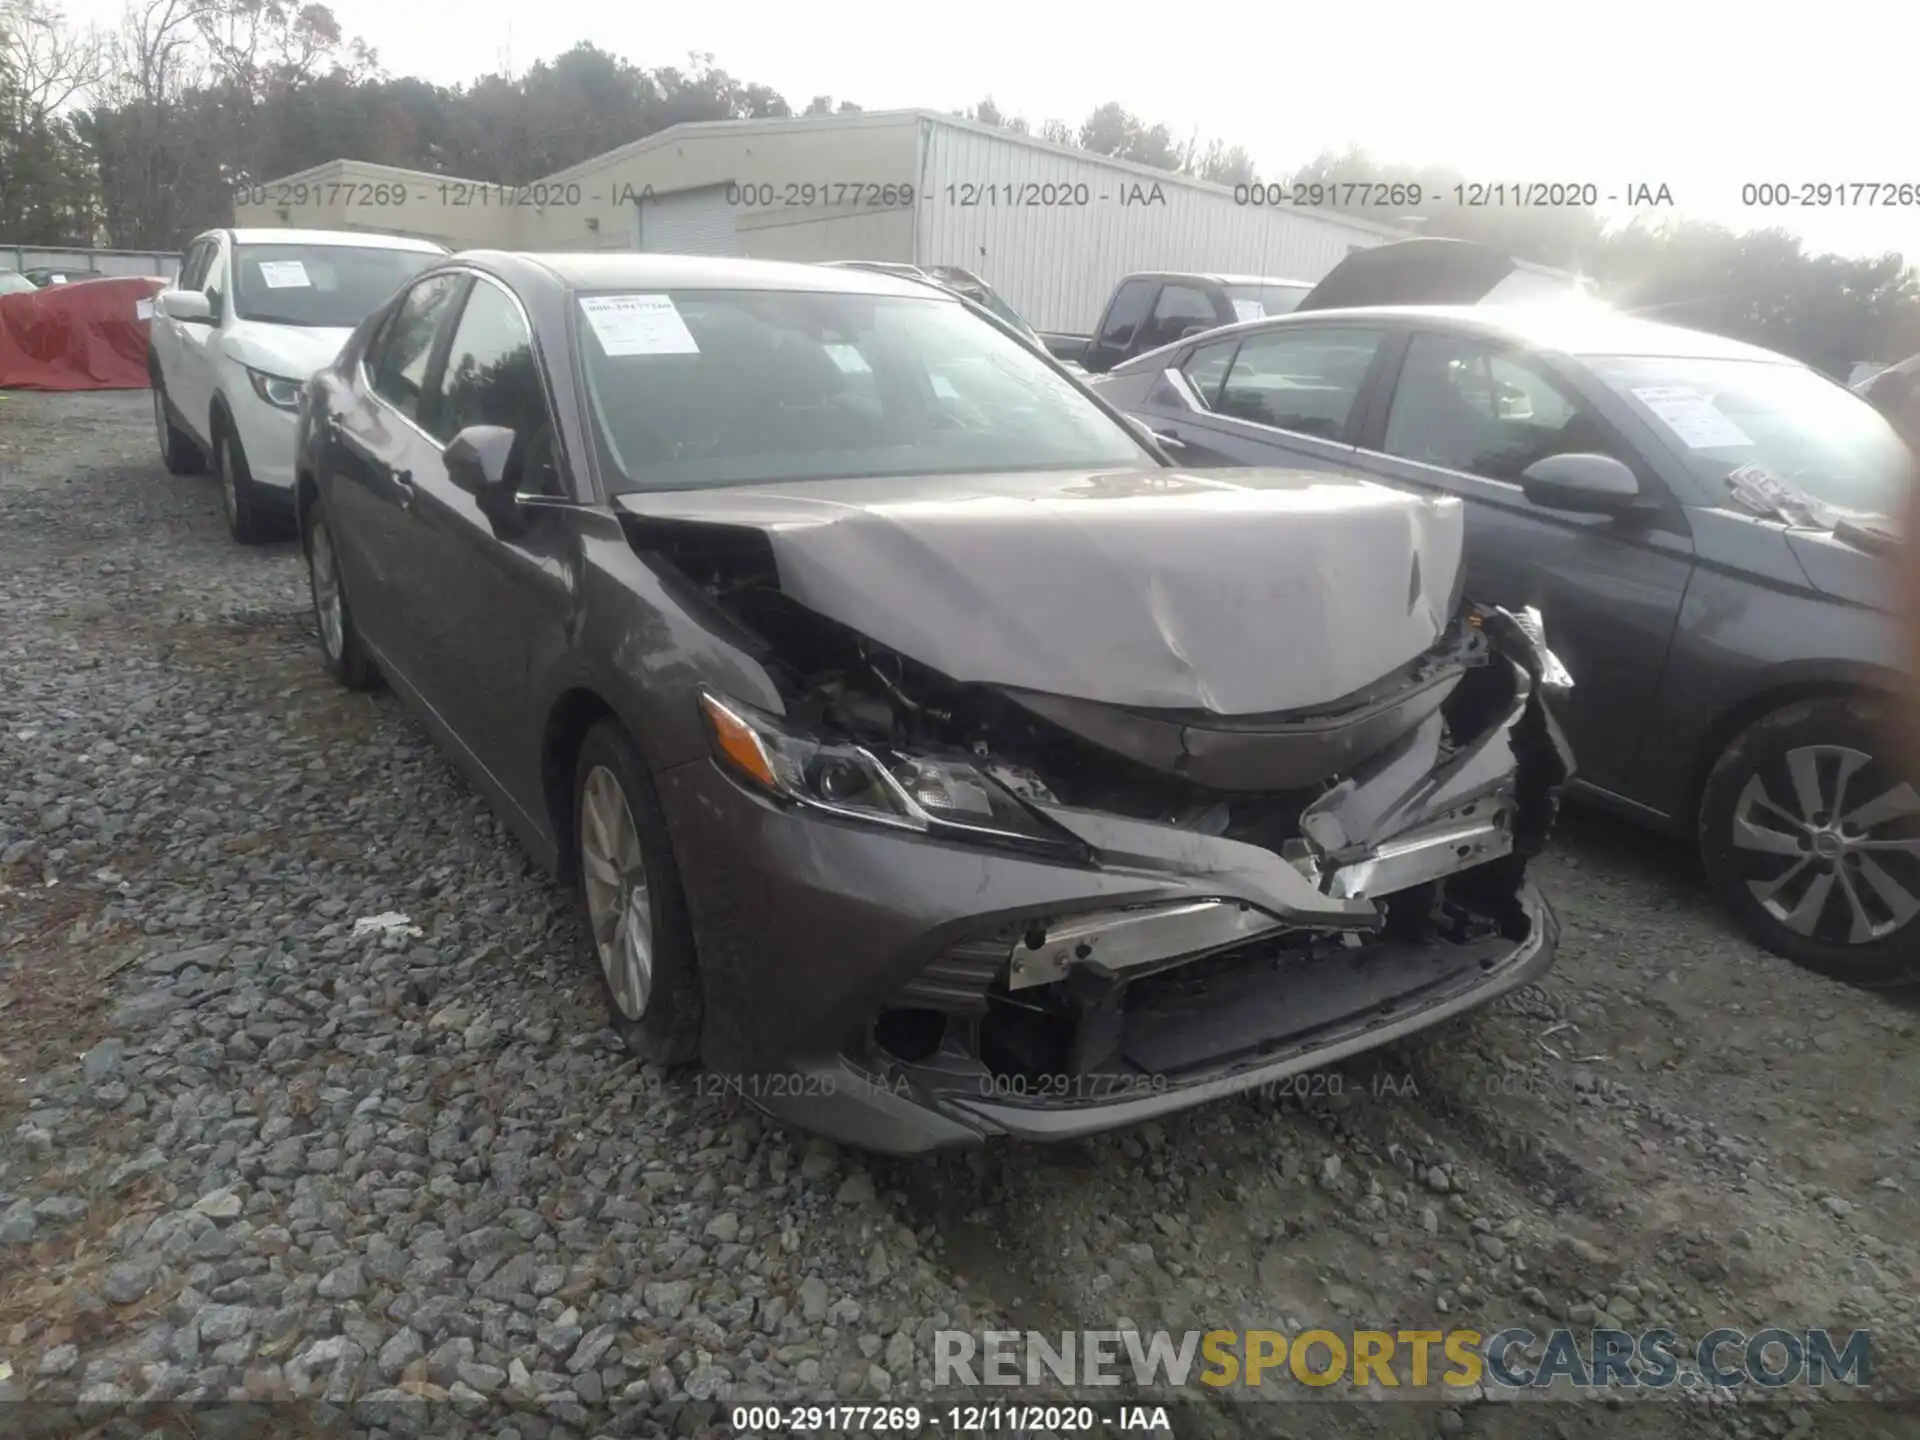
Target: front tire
point(340, 643)
point(1810, 833)
point(630, 892)
point(247, 519)
point(177, 450)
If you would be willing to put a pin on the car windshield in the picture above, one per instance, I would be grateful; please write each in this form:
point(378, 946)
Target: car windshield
point(1734, 421)
point(1256, 302)
point(328, 286)
point(732, 387)
point(12, 282)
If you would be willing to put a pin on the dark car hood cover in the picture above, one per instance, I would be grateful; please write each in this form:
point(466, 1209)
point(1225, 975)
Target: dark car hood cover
point(1426, 271)
point(1152, 589)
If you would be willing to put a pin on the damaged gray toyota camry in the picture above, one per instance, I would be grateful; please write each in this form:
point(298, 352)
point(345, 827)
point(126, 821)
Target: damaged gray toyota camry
point(934, 759)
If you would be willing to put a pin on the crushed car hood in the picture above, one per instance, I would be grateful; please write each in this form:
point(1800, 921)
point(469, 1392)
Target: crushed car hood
point(1267, 592)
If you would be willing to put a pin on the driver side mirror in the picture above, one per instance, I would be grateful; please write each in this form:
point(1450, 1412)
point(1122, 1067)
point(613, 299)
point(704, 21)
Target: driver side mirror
point(1584, 483)
point(480, 460)
point(190, 307)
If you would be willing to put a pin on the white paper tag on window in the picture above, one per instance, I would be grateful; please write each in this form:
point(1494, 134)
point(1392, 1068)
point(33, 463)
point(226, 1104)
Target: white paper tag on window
point(1249, 310)
point(638, 325)
point(943, 387)
point(143, 309)
point(1691, 416)
point(849, 359)
point(285, 275)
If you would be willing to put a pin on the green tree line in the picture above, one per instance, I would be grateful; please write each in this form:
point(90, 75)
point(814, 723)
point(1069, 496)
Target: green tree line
point(138, 135)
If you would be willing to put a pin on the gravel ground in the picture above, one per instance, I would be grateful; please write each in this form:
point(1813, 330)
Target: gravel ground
point(249, 1152)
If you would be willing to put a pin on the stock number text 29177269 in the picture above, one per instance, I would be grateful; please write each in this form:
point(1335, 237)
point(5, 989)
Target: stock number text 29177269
point(807, 194)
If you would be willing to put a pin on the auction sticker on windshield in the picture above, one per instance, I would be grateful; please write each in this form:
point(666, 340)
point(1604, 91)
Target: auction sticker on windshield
point(638, 325)
point(1691, 416)
point(1249, 310)
point(849, 359)
point(285, 275)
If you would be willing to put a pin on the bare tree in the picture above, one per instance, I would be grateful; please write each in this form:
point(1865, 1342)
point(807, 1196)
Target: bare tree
point(140, 130)
point(45, 63)
point(48, 191)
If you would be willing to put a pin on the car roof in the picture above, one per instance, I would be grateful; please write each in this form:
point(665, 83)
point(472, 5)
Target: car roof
point(1576, 328)
point(638, 270)
point(366, 239)
point(1214, 278)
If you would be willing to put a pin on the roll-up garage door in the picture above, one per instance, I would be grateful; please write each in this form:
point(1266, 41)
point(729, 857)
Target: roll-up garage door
point(688, 222)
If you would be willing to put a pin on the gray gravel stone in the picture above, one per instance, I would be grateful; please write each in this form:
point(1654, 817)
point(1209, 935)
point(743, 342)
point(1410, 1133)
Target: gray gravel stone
point(343, 1282)
point(103, 1062)
point(814, 1299)
point(131, 1280)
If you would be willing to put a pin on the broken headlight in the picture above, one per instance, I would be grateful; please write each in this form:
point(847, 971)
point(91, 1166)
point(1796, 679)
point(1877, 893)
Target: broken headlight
point(932, 795)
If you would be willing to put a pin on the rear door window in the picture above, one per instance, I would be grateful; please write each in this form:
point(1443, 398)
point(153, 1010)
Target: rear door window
point(1306, 380)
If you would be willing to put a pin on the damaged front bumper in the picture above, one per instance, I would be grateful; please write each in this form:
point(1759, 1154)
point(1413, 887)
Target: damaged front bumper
point(907, 993)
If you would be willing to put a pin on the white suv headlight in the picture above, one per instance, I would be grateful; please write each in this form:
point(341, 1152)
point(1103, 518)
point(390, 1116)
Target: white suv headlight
point(276, 390)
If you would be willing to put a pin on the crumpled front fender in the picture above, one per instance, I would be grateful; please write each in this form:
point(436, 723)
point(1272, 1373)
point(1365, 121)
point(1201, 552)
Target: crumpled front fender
point(1433, 803)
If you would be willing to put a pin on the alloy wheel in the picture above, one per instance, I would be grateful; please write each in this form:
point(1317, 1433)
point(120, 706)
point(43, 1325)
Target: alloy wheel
point(619, 902)
point(1837, 855)
point(324, 572)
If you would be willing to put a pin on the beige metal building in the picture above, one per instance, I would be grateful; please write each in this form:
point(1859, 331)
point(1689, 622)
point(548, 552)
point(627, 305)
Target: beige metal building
point(1052, 228)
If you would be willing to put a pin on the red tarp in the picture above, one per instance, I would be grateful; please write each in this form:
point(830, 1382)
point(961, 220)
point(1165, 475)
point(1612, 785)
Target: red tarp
point(87, 335)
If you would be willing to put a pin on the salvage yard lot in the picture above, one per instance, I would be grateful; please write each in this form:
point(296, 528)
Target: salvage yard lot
point(245, 1149)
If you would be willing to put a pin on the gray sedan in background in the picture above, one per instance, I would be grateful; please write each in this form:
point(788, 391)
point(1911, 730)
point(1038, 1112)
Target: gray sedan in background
point(1708, 524)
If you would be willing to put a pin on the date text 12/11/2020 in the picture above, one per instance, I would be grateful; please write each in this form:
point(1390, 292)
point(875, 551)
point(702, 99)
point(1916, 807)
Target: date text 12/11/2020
point(1007, 195)
point(1467, 195)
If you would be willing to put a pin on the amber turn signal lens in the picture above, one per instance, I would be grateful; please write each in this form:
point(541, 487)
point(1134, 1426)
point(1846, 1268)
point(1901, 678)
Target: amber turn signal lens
point(737, 743)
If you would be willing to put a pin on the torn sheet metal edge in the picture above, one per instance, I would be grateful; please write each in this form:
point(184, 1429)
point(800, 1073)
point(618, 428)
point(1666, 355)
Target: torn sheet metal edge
point(1115, 940)
point(1430, 853)
point(1372, 808)
point(1211, 867)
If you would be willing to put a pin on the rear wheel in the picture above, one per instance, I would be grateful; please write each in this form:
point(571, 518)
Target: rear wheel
point(630, 890)
point(339, 640)
point(1810, 831)
point(247, 519)
point(177, 450)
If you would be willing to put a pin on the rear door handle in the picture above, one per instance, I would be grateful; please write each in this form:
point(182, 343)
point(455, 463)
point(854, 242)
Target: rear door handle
point(403, 483)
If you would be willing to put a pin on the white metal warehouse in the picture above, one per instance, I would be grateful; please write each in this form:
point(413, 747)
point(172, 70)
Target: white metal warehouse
point(1050, 227)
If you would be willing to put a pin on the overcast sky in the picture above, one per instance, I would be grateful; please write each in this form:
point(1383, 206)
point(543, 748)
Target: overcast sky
point(1701, 95)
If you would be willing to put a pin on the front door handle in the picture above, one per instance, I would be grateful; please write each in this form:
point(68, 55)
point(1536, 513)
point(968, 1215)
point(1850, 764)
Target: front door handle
point(403, 483)
point(1172, 442)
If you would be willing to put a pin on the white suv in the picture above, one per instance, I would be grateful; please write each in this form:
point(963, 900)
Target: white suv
point(252, 315)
